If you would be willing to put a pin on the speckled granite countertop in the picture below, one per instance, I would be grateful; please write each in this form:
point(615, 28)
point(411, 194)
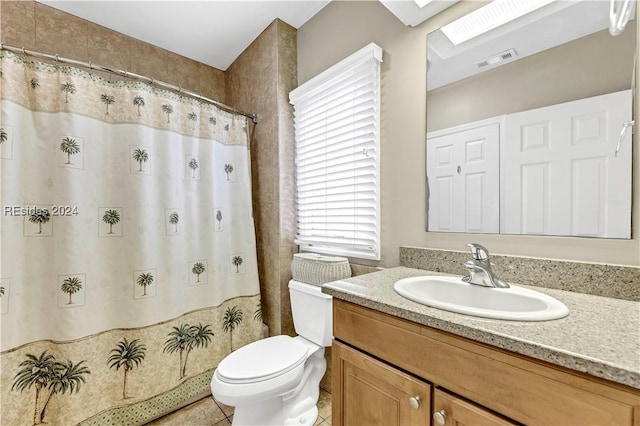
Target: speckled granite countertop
point(601, 336)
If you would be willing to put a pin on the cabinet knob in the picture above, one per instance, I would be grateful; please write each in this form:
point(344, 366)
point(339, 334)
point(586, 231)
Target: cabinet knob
point(440, 417)
point(414, 402)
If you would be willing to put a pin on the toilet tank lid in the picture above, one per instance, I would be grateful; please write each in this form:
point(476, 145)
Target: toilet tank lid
point(262, 360)
point(312, 268)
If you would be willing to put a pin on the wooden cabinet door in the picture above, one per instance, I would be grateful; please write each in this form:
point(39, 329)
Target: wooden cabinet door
point(369, 392)
point(450, 410)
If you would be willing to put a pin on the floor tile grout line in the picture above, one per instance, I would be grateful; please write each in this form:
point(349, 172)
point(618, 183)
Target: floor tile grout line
point(221, 410)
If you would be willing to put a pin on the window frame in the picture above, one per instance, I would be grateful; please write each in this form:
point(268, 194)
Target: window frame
point(313, 90)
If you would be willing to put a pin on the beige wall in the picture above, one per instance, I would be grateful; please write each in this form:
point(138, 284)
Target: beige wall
point(343, 27)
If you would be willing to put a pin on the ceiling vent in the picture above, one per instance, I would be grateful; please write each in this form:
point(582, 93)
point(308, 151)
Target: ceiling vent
point(507, 55)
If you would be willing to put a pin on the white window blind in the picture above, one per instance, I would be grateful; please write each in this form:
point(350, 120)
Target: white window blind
point(337, 132)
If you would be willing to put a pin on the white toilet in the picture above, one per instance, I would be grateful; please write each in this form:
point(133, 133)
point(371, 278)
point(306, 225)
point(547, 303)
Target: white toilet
point(276, 381)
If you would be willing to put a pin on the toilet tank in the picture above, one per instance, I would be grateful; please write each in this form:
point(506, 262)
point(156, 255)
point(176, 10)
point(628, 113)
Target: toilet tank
point(311, 309)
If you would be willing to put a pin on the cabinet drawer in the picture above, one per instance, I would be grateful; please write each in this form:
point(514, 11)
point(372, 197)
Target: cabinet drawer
point(523, 389)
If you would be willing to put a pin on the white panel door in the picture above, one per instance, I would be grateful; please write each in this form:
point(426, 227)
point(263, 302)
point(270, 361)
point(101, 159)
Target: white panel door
point(463, 179)
point(559, 172)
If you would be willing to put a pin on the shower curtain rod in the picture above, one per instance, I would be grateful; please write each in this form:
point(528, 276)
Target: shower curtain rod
point(253, 116)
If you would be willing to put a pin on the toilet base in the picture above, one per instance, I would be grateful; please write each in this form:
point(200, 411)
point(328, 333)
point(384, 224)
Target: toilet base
point(297, 406)
point(307, 418)
point(270, 413)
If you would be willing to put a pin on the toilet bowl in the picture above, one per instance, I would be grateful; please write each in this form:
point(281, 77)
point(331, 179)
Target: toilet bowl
point(276, 381)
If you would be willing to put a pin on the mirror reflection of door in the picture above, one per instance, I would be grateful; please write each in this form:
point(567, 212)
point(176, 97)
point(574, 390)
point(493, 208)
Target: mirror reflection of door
point(561, 175)
point(560, 53)
point(463, 174)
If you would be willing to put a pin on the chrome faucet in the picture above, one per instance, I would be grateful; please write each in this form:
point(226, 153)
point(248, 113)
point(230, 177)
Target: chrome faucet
point(479, 268)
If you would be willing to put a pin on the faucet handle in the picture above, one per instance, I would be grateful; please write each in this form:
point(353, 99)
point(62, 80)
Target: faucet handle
point(478, 252)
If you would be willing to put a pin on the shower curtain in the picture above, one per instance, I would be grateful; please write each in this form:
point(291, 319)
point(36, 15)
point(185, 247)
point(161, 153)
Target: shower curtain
point(128, 248)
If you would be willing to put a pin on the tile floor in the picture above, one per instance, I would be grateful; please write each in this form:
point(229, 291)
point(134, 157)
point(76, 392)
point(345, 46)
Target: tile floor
point(208, 412)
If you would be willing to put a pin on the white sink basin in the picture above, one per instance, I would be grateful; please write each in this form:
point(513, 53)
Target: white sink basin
point(452, 294)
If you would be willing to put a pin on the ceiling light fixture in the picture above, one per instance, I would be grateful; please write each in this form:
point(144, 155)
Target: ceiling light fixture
point(488, 17)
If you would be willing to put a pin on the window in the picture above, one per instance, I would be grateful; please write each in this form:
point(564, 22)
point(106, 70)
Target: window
point(337, 132)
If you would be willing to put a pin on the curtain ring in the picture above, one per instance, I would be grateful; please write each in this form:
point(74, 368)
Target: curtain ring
point(57, 58)
point(23, 51)
point(90, 66)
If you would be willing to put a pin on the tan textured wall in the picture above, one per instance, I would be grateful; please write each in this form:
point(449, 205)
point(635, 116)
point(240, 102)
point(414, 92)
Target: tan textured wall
point(339, 30)
point(287, 81)
point(38, 27)
point(260, 80)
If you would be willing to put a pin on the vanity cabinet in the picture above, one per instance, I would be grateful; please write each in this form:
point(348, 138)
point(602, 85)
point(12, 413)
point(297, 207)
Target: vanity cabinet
point(378, 359)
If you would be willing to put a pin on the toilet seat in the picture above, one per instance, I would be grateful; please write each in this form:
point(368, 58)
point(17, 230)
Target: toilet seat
point(262, 360)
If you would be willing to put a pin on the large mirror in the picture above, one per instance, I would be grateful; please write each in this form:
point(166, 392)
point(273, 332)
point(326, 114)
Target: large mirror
point(523, 123)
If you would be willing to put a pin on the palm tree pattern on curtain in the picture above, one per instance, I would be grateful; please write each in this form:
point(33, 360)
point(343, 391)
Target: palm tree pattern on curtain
point(127, 355)
point(219, 217)
point(107, 100)
point(106, 132)
point(237, 261)
point(70, 147)
point(141, 156)
point(257, 314)
point(198, 269)
point(70, 286)
point(184, 339)
point(144, 280)
point(67, 88)
point(194, 118)
point(174, 218)
point(193, 165)
point(228, 169)
point(167, 109)
point(138, 101)
point(231, 321)
point(40, 217)
point(111, 217)
point(46, 374)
